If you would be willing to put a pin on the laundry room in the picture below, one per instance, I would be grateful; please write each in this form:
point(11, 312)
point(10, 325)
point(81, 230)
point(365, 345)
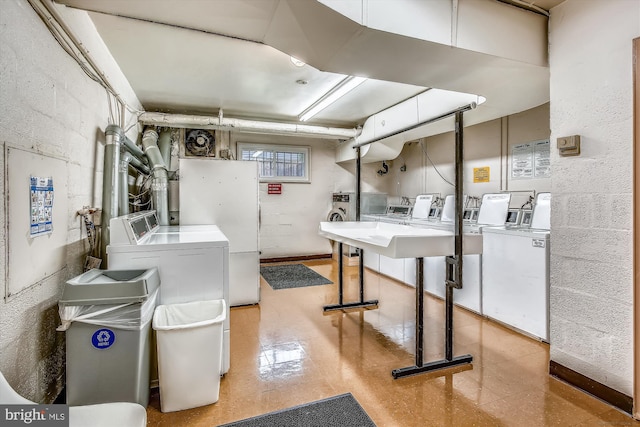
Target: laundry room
point(245, 212)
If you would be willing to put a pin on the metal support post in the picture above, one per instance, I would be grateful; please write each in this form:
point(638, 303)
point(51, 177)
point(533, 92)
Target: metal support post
point(453, 280)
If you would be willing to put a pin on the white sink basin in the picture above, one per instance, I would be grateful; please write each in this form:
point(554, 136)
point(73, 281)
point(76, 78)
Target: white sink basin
point(398, 241)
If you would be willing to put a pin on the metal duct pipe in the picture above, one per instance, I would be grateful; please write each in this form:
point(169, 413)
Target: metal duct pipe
point(160, 183)
point(135, 150)
point(245, 125)
point(125, 158)
point(110, 183)
point(138, 165)
point(164, 144)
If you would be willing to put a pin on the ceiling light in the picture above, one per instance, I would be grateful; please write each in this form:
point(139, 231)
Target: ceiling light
point(297, 62)
point(338, 91)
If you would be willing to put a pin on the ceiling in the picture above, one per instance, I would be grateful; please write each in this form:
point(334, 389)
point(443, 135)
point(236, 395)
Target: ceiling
point(198, 57)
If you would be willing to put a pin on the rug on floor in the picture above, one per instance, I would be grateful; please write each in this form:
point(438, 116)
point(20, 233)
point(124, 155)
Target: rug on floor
point(292, 276)
point(337, 411)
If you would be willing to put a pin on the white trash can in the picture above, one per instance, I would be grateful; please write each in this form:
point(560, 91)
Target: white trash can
point(189, 342)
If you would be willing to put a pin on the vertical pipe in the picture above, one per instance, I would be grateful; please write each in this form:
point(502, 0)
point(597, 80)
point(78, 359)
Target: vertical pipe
point(164, 144)
point(420, 311)
point(114, 136)
point(125, 158)
point(160, 183)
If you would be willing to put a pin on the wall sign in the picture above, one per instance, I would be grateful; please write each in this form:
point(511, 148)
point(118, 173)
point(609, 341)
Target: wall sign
point(274, 188)
point(41, 197)
point(481, 174)
point(531, 160)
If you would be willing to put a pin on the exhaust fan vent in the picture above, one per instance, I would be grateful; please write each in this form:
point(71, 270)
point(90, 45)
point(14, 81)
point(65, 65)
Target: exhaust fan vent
point(199, 143)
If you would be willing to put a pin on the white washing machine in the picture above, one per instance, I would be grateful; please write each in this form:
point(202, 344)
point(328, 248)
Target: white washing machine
point(515, 272)
point(192, 260)
point(343, 206)
point(492, 211)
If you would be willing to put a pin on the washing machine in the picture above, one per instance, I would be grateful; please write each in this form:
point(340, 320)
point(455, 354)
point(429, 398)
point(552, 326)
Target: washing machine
point(492, 212)
point(515, 272)
point(192, 260)
point(344, 205)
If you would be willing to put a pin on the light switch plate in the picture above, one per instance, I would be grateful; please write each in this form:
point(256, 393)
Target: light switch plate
point(569, 145)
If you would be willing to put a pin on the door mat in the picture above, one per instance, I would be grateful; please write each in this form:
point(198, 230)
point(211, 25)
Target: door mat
point(337, 411)
point(292, 276)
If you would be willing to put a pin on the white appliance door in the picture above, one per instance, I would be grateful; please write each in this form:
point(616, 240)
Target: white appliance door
point(515, 281)
point(225, 193)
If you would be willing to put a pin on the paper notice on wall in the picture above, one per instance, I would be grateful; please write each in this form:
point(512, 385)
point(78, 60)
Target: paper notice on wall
point(522, 161)
point(542, 159)
point(482, 174)
point(41, 201)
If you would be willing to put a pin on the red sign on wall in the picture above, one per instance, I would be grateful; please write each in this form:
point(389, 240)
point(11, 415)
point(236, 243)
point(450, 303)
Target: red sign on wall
point(274, 188)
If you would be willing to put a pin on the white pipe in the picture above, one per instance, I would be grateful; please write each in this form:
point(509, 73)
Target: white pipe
point(245, 125)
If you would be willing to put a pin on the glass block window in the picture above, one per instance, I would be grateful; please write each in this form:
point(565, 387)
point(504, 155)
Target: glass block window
point(285, 163)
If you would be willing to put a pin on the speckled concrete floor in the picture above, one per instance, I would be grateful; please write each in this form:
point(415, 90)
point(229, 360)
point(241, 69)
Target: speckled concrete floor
point(286, 351)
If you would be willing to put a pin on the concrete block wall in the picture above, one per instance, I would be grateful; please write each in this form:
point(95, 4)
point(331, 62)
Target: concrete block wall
point(49, 106)
point(592, 206)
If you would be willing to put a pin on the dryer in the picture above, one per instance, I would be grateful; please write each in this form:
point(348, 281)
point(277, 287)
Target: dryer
point(192, 260)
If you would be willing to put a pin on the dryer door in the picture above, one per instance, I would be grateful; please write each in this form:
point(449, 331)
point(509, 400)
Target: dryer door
point(337, 214)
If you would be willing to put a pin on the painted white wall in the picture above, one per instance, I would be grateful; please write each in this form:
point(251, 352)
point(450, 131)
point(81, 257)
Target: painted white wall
point(50, 106)
point(485, 145)
point(290, 220)
point(592, 206)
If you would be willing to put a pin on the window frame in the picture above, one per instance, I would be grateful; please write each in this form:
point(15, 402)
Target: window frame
point(275, 148)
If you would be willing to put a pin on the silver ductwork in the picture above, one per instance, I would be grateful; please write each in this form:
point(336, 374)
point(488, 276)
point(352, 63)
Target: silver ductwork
point(164, 144)
point(123, 207)
point(160, 182)
point(245, 125)
point(110, 182)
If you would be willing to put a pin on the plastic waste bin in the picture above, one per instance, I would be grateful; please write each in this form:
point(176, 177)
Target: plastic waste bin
point(189, 342)
point(107, 318)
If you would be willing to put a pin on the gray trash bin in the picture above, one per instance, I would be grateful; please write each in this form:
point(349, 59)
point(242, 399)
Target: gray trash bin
point(107, 318)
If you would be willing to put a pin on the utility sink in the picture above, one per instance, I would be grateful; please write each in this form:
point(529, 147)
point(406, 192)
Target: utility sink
point(398, 241)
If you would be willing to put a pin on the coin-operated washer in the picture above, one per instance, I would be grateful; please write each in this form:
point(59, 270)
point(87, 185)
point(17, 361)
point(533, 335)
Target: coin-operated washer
point(515, 272)
point(192, 260)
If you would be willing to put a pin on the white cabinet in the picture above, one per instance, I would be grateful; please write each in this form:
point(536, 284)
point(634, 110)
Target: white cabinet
point(392, 267)
point(371, 260)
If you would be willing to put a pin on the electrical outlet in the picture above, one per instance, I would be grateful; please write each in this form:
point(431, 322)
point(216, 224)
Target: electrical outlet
point(224, 153)
point(569, 145)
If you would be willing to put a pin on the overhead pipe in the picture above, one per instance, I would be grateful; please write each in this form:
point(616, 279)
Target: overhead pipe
point(246, 125)
point(160, 182)
point(114, 136)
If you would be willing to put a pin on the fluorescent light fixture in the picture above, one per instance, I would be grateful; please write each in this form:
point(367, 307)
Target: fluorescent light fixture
point(338, 91)
point(297, 62)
